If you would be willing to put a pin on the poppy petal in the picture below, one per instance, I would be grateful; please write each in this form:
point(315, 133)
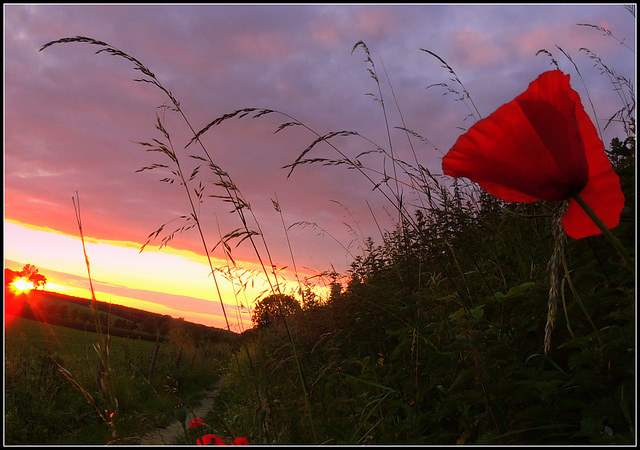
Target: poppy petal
point(240, 441)
point(197, 423)
point(204, 440)
point(542, 146)
point(210, 438)
point(602, 193)
point(529, 149)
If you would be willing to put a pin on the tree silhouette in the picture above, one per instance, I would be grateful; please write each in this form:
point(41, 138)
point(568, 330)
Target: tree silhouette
point(28, 272)
point(270, 308)
point(38, 280)
point(10, 276)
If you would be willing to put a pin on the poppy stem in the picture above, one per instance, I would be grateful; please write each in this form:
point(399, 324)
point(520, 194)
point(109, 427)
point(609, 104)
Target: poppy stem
point(614, 240)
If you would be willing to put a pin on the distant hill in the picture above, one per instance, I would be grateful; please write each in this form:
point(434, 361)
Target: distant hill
point(76, 312)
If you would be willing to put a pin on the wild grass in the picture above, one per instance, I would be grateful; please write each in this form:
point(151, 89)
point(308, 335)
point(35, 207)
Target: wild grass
point(442, 333)
point(232, 193)
point(440, 336)
point(108, 411)
point(43, 407)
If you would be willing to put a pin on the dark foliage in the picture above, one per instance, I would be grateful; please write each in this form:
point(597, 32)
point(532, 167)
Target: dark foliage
point(439, 338)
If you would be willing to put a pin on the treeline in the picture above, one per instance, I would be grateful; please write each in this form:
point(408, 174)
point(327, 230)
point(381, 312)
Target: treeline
point(76, 313)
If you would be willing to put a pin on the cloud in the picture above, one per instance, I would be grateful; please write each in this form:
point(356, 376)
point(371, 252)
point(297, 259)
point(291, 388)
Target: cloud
point(72, 118)
point(473, 49)
point(377, 22)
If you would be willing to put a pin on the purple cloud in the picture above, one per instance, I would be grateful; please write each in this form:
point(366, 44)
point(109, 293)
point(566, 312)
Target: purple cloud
point(72, 118)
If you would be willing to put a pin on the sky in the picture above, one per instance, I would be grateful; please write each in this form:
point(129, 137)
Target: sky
point(74, 121)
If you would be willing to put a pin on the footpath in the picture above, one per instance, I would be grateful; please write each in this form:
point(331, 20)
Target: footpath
point(173, 432)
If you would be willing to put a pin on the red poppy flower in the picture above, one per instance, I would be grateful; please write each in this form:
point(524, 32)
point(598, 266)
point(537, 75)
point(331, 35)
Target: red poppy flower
point(210, 438)
point(542, 146)
point(240, 441)
point(197, 423)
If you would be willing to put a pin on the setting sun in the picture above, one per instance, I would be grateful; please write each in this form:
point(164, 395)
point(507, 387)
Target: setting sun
point(22, 285)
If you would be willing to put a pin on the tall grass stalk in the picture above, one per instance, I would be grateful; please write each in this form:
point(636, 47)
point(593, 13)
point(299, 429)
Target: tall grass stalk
point(464, 96)
point(159, 146)
point(76, 207)
point(420, 179)
point(108, 414)
point(623, 87)
point(276, 205)
point(380, 99)
point(233, 194)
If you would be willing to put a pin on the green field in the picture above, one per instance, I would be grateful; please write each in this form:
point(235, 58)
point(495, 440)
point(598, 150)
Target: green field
point(42, 405)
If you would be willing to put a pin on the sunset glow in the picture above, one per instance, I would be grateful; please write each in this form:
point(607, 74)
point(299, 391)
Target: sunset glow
point(22, 285)
point(164, 281)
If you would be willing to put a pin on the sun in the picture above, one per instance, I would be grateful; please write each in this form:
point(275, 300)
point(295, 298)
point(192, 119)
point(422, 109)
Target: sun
point(22, 285)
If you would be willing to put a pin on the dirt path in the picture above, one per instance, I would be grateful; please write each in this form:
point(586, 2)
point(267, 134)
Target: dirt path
point(171, 434)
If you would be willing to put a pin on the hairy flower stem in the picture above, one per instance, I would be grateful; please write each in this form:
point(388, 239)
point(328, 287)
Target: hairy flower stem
point(608, 234)
point(555, 263)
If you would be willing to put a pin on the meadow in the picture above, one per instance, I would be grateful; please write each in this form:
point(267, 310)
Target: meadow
point(42, 406)
point(474, 321)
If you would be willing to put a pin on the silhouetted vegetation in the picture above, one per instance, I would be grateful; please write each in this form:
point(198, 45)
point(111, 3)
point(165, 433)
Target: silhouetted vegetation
point(439, 334)
point(272, 308)
point(29, 273)
point(442, 342)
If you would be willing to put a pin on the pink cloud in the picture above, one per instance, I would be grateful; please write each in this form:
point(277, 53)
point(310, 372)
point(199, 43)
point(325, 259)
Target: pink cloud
point(474, 49)
point(348, 25)
point(265, 45)
point(72, 117)
point(326, 32)
point(376, 22)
